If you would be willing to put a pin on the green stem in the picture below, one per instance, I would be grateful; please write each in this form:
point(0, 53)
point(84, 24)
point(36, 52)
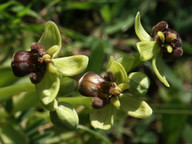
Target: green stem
point(77, 101)
point(9, 91)
point(99, 135)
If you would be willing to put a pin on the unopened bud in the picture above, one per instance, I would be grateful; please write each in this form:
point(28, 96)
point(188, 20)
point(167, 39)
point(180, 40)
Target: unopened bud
point(65, 116)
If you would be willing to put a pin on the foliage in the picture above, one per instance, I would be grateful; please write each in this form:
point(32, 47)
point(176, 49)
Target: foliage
point(98, 29)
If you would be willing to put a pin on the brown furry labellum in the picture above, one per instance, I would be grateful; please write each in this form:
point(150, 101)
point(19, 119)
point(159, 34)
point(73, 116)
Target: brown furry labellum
point(29, 62)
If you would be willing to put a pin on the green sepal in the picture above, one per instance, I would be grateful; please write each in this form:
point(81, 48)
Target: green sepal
point(103, 118)
point(70, 66)
point(65, 116)
point(139, 83)
point(141, 33)
point(51, 37)
point(127, 62)
point(147, 50)
point(158, 69)
point(135, 106)
point(48, 88)
point(118, 70)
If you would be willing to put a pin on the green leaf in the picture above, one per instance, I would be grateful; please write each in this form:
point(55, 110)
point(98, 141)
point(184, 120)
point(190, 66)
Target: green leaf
point(121, 25)
point(158, 69)
point(135, 106)
point(106, 13)
point(12, 134)
point(51, 37)
point(141, 33)
point(103, 118)
point(70, 66)
point(48, 88)
point(66, 116)
point(139, 83)
point(172, 124)
point(118, 70)
point(7, 92)
point(147, 50)
point(24, 101)
point(97, 57)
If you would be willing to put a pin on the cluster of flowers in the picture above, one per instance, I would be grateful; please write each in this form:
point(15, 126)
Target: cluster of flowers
point(116, 90)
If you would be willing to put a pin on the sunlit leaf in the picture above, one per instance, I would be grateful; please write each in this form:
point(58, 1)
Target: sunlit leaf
point(70, 66)
point(51, 37)
point(147, 50)
point(141, 33)
point(118, 70)
point(48, 88)
point(102, 118)
point(158, 69)
point(12, 134)
point(25, 101)
point(135, 106)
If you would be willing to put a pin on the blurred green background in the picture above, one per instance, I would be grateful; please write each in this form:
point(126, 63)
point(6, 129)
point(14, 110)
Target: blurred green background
point(99, 29)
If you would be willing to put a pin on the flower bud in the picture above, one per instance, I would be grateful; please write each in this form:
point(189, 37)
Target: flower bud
point(139, 83)
point(65, 116)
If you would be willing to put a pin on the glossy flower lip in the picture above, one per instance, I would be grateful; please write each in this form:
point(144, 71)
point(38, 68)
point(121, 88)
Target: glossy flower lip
point(101, 88)
point(29, 62)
